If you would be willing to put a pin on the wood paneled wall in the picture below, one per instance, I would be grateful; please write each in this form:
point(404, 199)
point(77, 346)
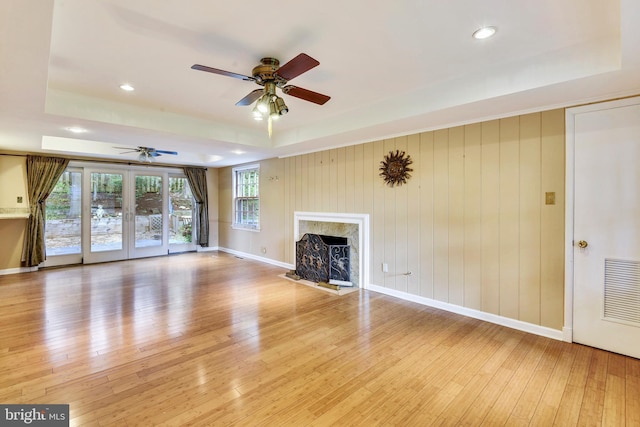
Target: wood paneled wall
point(471, 225)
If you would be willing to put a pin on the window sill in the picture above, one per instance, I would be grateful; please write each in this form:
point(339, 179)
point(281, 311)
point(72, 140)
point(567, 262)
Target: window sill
point(239, 227)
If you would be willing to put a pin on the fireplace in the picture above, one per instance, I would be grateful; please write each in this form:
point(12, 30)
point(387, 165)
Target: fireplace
point(353, 227)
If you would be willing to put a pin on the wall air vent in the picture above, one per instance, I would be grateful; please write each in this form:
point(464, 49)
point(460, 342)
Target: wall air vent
point(622, 291)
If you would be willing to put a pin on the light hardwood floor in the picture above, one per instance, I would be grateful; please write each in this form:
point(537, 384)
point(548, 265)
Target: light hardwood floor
point(210, 339)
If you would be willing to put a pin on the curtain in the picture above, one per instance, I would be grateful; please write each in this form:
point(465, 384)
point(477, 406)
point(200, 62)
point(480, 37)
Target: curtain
point(198, 182)
point(42, 175)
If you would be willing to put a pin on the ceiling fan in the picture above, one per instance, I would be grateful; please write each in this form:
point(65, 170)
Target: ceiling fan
point(146, 154)
point(271, 75)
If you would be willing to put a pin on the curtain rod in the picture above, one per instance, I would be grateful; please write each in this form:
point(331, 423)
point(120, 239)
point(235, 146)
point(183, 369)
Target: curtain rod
point(115, 162)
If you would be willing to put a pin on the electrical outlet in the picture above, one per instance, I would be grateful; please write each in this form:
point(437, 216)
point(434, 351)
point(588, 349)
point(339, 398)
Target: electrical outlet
point(263, 250)
point(19, 199)
point(385, 267)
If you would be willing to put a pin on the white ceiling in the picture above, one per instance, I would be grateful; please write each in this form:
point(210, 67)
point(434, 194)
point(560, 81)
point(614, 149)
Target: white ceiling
point(391, 68)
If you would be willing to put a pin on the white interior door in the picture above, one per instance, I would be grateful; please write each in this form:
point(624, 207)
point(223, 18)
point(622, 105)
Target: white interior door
point(606, 300)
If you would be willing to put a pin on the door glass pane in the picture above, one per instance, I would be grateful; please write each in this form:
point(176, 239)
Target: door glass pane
point(62, 231)
point(106, 211)
point(180, 210)
point(148, 226)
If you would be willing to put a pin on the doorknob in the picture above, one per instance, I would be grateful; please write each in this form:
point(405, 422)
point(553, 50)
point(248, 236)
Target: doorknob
point(582, 244)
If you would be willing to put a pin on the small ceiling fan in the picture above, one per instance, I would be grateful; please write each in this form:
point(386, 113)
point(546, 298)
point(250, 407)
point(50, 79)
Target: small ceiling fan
point(271, 75)
point(146, 154)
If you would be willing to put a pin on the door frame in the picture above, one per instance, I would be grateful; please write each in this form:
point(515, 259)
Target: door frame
point(570, 146)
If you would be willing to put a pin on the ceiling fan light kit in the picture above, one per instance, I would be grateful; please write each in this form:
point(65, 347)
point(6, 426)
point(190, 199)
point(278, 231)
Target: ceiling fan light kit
point(273, 113)
point(271, 75)
point(281, 107)
point(144, 157)
point(257, 114)
point(263, 105)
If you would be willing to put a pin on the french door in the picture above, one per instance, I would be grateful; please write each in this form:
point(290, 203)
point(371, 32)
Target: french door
point(124, 213)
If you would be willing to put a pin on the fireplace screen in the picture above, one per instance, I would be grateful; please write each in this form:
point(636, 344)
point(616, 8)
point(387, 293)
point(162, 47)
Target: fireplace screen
point(323, 258)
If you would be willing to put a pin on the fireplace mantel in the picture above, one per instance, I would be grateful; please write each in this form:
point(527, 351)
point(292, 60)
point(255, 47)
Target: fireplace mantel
point(361, 221)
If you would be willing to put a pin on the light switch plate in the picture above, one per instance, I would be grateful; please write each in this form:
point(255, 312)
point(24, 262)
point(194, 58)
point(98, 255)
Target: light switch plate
point(550, 198)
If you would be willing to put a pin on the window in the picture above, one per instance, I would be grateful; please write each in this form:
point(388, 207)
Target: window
point(246, 197)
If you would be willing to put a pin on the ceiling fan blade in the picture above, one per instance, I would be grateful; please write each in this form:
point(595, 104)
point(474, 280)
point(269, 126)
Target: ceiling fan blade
point(129, 150)
point(298, 65)
point(174, 153)
point(221, 72)
point(251, 98)
point(306, 94)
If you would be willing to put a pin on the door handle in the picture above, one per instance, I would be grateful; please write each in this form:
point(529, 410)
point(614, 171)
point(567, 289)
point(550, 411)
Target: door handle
point(582, 244)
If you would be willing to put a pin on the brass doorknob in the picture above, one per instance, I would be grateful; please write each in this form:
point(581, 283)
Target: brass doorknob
point(582, 244)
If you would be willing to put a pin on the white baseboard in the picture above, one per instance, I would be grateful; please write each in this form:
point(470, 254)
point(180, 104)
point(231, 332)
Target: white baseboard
point(476, 314)
point(257, 258)
point(18, 270)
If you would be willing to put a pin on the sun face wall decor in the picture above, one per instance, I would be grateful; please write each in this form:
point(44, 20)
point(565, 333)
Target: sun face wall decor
point(394, 168)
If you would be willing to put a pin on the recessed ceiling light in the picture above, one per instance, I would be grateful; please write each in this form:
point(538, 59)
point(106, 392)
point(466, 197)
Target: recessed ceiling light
point(76, 129)
point(127, 87)
point(484, 33)
point(238, 152)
